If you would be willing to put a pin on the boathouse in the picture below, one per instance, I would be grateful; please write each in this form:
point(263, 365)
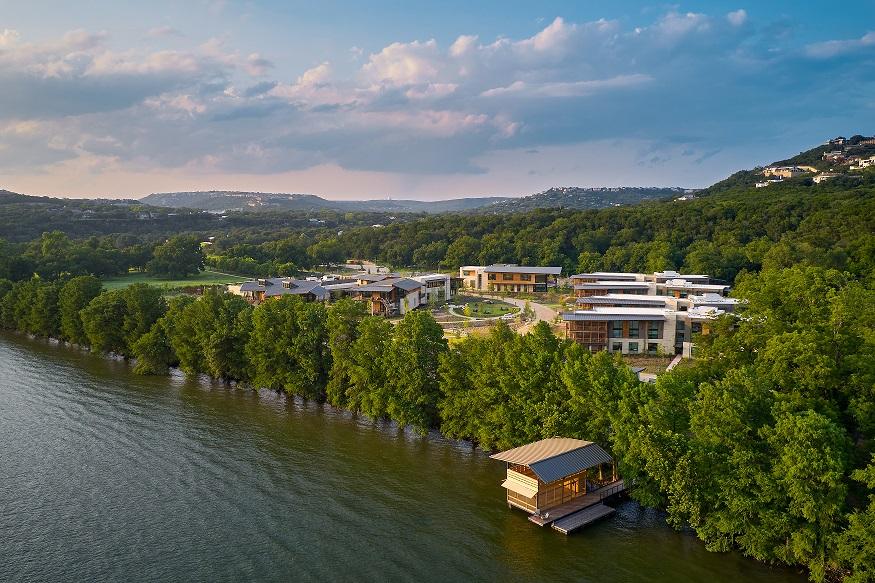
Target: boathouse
point(560, 481)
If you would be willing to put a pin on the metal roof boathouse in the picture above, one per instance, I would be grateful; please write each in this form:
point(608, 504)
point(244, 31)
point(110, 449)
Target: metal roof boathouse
point(560, 481)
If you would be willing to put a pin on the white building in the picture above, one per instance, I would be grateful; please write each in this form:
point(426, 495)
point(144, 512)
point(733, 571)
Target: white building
point(436, 287)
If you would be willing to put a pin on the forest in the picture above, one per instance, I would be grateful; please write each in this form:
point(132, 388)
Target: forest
point(763, 443)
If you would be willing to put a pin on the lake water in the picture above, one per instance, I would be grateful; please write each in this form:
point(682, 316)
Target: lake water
point(105, 475)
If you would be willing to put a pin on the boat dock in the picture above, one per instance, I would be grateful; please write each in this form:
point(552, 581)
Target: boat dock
point(581, 518)
point(578, 506)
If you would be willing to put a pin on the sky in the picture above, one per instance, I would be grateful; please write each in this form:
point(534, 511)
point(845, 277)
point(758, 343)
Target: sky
point(436, 100)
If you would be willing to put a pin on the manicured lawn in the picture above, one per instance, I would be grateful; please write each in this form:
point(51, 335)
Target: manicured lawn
point(481, 309)
point(203, 278)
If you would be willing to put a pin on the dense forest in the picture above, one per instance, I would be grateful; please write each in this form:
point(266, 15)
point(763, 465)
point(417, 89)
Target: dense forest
point(764, 443)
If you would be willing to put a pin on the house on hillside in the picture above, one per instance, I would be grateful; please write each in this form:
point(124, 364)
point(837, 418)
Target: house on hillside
point(509, 277)
point(824, 176)
point(787, 171)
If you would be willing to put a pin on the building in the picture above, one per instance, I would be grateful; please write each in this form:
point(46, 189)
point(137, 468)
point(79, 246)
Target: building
point(436, 287)
point(258, 290)
point(386, 295)
point(669, 283)
point(509, 278)
point(637, 313)
point(765, 183)
point(834, 156)
point(787, 171)
point(557, 479)
point(863, 163)
point(824, 176)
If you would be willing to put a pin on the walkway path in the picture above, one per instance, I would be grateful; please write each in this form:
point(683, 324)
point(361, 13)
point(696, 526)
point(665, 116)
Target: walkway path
point(541, 311)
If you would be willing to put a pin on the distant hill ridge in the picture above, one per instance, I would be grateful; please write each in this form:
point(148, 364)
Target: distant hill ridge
point(559, 197)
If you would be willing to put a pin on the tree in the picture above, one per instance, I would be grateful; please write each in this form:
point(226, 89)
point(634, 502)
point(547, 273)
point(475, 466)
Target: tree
point(74, 296)
point(462, 251)
point(411, 362)
point(288, 348)
point(103, 322)
point(176, 258)
point(344, 318)
point(154, 350)
point(144, 304)
point(856, 545)
point(368, 391)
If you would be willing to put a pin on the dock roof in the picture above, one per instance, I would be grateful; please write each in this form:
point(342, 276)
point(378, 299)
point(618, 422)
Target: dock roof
point(556, 457)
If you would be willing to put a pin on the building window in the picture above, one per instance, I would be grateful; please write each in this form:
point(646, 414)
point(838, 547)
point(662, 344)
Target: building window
point(633, 330)
point(507, 276)
point(616, 329)
point(652, 347)
point(697, 328)
point(491, 277)
point(653, 331)
point(466, 273)
point(633, 348)
point(525, 277)
point(617, 347)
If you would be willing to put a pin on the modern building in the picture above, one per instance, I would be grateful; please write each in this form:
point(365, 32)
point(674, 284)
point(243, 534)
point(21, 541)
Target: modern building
point(436, 287)
point(669, 283)
point(636, 313)
point(560, 481)
point(258, 290)
point(509, 278)
point(388, 296)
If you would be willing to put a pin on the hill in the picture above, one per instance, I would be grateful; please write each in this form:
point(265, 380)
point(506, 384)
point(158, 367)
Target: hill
point(562, 197)
point(224, 200)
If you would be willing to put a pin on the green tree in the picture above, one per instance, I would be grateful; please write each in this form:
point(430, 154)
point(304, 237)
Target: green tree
point(74, 296)
point(103, 322)
point(344, 318)
point(177, 258)
point(411, 362)
point(368, 391)
point(288, 347)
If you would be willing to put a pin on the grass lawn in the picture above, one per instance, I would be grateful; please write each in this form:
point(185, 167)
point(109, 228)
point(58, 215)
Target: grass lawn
point(481, 309)
point(651, 364)
point(203, 278)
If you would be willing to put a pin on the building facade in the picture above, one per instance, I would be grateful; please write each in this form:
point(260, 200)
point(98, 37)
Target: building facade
point(509, 278)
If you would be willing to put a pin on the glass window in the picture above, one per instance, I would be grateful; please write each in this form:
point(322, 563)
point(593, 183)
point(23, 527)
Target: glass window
point(491, 277)
point(633, 347)
point(652, 347)
point(633, 329)
point(617, 347)
point(697, 328)
point(653, 330)
point(616, 329)
point(507, 276)
point(525, 277)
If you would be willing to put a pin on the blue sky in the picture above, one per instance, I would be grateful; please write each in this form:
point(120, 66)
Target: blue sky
point(437, 100)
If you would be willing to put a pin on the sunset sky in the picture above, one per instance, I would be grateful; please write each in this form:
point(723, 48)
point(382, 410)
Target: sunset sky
point(446, 99)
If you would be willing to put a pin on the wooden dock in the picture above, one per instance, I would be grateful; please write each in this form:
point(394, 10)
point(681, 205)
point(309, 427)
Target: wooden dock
point(577, 504)
point(581, 518)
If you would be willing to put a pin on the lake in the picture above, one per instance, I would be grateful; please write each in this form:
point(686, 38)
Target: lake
point(106, 475)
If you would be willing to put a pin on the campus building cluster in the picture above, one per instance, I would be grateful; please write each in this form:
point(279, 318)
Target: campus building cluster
point(386, 294)
point(636, 313)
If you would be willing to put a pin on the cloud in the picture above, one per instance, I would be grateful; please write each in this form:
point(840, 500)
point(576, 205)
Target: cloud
point(684, 83)
point(404, 63)
point(568, 89)
point(258, 66)
point(834, 48)
point(737, 17)
point(163, 32)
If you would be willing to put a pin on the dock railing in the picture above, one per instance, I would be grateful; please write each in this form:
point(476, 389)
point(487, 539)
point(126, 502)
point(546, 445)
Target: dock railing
point(609, 491)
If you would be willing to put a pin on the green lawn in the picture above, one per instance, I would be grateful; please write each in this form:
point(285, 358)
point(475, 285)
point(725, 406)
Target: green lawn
point(203, 278)
point(480, 309)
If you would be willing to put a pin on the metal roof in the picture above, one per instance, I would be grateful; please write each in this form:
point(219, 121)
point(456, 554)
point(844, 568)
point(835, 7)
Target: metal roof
point(611, 314)
point(614, 285)
point(522, 269)
point(555, 458)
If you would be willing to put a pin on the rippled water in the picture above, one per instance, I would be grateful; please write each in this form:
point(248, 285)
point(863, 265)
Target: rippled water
point(105, 475)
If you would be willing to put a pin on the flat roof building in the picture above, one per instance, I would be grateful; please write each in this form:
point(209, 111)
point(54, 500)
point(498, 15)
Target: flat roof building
point(509, 278)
